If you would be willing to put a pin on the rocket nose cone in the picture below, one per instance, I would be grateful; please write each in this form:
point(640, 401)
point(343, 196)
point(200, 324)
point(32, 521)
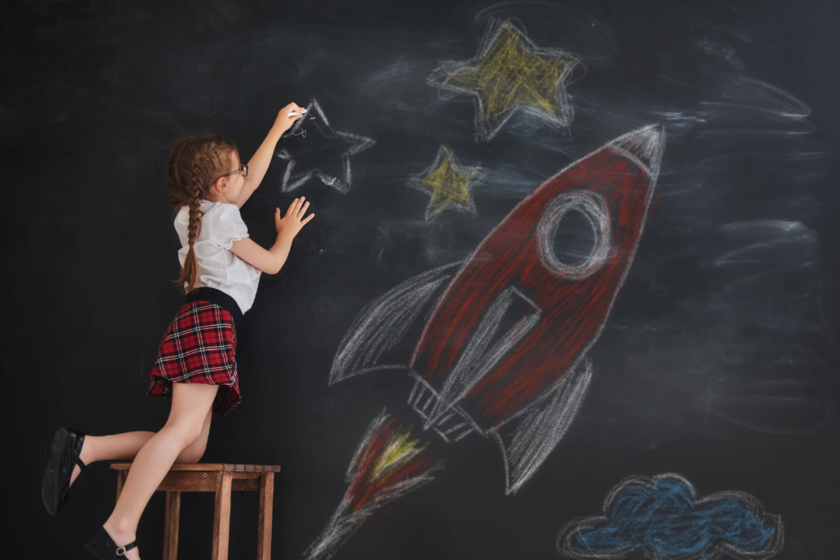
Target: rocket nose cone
point(645, 144)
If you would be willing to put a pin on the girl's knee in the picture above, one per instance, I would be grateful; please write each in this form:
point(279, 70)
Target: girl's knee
point(188, 431)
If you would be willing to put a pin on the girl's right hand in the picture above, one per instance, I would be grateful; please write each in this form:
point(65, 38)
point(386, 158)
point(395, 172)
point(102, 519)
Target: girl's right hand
point(284, 122)
point(293, 221)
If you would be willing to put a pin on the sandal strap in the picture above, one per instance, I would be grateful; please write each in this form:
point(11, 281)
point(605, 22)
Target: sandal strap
point(80, 463)
point(123, 549)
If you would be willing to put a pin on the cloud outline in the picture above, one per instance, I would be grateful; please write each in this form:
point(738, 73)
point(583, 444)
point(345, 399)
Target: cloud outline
point(565, 538)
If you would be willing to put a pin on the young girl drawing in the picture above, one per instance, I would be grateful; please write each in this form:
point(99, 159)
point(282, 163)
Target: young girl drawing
point(196, 364)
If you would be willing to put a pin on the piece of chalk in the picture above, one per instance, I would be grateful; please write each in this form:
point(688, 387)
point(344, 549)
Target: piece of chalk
point(293, 113)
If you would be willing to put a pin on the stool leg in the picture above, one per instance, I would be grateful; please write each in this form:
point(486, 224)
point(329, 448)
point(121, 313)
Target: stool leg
point(120, 483)
point(266, 516)
point(221, 521)
point(170, 528)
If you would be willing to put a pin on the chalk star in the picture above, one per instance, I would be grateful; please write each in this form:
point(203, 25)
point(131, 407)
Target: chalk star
point(293, 178)
point(449, 183)
point(510, 73)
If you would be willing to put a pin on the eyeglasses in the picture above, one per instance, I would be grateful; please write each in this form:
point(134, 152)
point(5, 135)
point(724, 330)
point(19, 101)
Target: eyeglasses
point(243, 170)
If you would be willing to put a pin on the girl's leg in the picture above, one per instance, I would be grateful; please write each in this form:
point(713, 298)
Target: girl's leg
point(111, 448)
point(195, 451)
point(127, 445)
point(190, 406)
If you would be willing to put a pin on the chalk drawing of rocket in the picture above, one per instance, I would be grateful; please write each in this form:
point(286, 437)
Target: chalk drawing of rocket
point(505, 334)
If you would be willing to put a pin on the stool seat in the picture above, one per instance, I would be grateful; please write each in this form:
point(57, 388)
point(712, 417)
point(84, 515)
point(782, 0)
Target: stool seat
point(214, 467)
point(221, 478)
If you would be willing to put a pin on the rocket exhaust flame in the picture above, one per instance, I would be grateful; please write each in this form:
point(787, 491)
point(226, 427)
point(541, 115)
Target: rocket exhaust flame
point(387, 465)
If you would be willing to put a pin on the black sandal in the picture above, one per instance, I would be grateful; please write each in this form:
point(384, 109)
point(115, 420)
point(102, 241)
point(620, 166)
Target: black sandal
point(103, 546)
point(64, 456)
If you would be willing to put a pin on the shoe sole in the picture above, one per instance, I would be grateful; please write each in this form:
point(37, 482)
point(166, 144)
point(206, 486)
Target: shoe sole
point(49, 482)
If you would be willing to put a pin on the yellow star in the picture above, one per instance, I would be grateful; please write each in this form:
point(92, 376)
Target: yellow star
point(510, 73)
point(449, 184)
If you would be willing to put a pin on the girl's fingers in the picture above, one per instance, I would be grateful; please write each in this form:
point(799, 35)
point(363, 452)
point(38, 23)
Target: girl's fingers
point(297, 208)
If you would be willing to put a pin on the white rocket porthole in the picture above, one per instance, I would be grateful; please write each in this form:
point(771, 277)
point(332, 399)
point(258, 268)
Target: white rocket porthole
point(589, 208)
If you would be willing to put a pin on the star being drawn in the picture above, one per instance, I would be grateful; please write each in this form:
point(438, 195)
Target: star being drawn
point(511, 74)
point(449, 184)
point(296, 174)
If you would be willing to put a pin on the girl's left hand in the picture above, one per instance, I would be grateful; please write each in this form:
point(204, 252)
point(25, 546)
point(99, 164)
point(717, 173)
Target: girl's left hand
point(284, 122)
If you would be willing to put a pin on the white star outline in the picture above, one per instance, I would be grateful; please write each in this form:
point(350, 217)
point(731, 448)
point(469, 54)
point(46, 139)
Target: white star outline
point(341, 184)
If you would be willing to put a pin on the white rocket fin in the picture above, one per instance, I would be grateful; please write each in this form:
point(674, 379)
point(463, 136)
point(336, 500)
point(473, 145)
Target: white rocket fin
point(490, 342)
point(527, 440)
point(384, 322)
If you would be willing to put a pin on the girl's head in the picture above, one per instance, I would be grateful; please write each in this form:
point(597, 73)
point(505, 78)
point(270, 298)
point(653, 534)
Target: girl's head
point(202, 167)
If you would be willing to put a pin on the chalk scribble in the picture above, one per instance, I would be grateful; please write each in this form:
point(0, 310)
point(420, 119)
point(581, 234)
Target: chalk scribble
point(294, 178)
point(504, 351)
point(387, 465)
point(448, 183)
point(663, 517)
point(510, 74)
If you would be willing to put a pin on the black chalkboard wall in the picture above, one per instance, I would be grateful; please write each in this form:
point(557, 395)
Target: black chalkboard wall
point(698, 417)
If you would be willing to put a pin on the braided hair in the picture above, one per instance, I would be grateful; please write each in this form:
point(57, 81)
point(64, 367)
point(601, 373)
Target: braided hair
point(194, 163)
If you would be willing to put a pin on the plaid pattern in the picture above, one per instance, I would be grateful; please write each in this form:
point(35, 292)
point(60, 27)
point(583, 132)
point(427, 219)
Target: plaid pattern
point(199, 346)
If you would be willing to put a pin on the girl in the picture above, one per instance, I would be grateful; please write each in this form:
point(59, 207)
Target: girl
point(196, 365)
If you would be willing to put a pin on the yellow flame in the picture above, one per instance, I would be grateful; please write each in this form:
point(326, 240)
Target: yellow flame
point(398, 451)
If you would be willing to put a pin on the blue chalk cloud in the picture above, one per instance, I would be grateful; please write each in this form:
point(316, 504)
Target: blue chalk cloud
point(663, 517)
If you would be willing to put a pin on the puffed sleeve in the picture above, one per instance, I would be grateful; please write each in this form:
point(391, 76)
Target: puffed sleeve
point(227, 226)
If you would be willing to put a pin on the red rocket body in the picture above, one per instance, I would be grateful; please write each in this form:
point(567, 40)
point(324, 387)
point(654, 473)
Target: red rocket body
point(509, 331)
point(612, 187)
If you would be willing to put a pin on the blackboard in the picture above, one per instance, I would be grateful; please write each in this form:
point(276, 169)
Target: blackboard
point(712, 381)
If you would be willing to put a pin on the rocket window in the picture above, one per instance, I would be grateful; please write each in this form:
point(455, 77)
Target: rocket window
point(574, 235)
point(574, 238)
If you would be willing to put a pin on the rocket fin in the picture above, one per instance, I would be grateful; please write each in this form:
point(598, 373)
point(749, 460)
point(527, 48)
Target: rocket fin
point(384, 323)
point(527, 441)
point(486, 348)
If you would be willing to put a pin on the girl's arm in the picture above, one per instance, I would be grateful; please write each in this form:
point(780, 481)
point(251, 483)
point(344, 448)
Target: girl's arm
point(272, 260)
point(269, 261)
point(258, 165)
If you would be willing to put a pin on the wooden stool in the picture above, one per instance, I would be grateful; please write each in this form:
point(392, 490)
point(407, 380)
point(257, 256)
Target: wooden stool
point(221, 479)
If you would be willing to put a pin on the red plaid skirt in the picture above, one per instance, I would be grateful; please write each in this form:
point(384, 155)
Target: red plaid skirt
point(199, 346)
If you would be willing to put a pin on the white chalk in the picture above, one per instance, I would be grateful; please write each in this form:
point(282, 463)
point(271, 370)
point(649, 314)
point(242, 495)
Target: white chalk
point(293, 113)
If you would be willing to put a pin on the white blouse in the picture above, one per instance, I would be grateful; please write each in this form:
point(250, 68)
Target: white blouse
point(219, 268)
